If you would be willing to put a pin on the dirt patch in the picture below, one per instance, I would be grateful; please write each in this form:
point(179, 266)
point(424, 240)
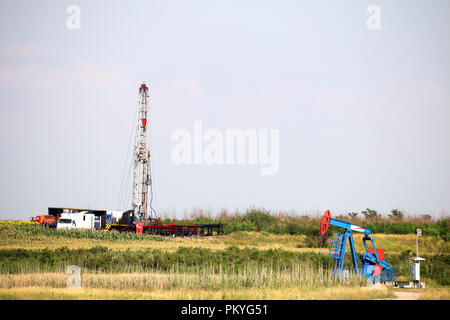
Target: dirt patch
point(402, 295)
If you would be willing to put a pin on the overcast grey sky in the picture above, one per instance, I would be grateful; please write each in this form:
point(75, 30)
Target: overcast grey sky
point(363, 114)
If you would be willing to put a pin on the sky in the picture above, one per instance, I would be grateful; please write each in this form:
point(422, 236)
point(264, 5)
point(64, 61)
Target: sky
point(362, 113)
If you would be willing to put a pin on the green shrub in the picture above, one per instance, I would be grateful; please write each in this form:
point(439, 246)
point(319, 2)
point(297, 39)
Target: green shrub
point(235, 225)
point(261, 219)
point(294, 228)
point(444, 230)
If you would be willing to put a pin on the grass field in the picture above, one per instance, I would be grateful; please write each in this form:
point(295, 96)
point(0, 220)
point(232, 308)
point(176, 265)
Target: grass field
point(292, 293)
point(301, 282)
point(238, 265)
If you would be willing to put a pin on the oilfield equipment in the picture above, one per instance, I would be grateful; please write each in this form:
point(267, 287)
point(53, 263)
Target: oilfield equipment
point(138, 219)
point(373, 266)
point(142, 175)
point(415, 265)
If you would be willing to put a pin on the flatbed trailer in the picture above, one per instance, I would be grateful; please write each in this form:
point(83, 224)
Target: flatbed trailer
point(170, 230)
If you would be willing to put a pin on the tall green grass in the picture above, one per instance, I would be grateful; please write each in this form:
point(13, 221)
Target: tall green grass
point(34, 232)
point(195, 260)
point(102, 259)
point(179, 276)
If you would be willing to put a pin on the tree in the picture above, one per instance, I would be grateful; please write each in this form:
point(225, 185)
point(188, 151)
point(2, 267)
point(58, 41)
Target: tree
point(370, 214)
point(352, 215)
point(396, 214)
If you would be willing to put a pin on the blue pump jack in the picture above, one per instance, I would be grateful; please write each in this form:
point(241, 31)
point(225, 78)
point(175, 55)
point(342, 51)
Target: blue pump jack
point(373, 263)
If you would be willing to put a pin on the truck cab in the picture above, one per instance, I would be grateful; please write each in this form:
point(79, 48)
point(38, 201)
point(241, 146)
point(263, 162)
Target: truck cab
point(65, 223)
point(44, 219)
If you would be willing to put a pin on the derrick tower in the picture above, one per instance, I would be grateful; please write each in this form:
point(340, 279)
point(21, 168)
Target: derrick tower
point(141, 177)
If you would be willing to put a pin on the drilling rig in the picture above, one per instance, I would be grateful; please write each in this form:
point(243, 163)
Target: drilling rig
point(142, 176)
point(140, 219)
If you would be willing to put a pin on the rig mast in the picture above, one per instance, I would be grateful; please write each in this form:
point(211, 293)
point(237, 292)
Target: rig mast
point(141, 178)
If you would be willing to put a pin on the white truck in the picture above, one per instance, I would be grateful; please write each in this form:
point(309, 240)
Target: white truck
point(76, 220)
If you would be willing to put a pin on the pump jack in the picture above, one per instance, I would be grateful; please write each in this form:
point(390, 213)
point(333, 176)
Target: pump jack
point(373, 263)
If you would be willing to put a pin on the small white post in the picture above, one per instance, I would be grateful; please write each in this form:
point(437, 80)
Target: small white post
point(418, 233)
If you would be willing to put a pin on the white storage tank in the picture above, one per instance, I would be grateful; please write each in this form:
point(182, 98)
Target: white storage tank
point(415, 271)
